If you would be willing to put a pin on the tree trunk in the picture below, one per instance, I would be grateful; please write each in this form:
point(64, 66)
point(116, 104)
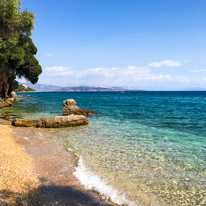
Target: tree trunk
point(6, 83)
point(5, 88)
point(2, 84)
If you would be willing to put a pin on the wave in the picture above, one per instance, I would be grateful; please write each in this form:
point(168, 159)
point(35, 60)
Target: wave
point(92, 181)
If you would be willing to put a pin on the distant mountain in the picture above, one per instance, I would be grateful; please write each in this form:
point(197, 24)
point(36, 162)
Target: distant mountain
point(42, 87)
point(89, 89)
point(54, 88)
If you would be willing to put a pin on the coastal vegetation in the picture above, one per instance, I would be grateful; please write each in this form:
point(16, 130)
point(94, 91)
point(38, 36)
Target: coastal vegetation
point(17, 50)
point(22, 88)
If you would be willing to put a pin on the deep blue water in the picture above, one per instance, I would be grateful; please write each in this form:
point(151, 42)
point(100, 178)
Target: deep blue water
point(150, 145)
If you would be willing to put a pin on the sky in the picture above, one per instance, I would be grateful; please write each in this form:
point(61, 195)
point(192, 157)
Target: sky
point(140, 44)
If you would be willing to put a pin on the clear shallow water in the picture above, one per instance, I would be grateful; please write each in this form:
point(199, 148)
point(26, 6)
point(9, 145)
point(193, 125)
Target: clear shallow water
point(150, 146)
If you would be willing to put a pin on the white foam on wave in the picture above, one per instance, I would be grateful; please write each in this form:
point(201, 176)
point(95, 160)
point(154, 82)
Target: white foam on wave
point(92, 181)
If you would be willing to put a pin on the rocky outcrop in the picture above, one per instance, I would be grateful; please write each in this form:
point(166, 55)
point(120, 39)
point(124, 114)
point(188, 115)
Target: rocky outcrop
point(13, 94)
point(63, 121)
point(11, 99)
point(24, 123)
point(53, 122)
point(5, 103)
point(70, 107)
point(8, 102)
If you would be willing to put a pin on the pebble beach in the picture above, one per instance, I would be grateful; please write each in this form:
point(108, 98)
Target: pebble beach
point(38, 172)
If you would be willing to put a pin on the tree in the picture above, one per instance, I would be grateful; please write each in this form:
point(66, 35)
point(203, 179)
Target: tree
point(17, 51)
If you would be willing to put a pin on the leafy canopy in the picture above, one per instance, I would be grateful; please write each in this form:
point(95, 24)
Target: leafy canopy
point(17, 51)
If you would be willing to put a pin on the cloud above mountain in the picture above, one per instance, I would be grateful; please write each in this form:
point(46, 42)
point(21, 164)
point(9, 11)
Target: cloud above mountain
point(135, 76)
point(166, 63)
point(114, 74)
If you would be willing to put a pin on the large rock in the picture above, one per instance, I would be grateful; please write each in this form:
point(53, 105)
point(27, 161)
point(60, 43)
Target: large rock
point(63, 121)
point(11, 99)
point(53, 122)
point(70, 107)
point(24, 122)
point(13, 94)
point(5, 104)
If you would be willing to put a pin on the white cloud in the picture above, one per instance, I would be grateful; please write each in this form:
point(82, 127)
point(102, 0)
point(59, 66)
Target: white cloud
point(131, 75)
point(58, 71)
point(165, 63)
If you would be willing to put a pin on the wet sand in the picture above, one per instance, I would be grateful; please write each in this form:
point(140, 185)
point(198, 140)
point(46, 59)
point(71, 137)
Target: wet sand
point(47, 169)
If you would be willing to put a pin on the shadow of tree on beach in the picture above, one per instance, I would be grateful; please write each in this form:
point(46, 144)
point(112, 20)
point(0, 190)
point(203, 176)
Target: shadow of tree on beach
point(59, 195)
point(50, 196)
point(32, 198)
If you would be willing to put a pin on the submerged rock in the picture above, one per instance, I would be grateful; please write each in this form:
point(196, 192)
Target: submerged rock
point(53, 122)
point(70, 107)
point(7, 117)
point(23, 95)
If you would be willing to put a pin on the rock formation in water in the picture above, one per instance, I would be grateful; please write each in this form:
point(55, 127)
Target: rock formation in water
point(53, 122)
point(70, 107)
point(23, 95)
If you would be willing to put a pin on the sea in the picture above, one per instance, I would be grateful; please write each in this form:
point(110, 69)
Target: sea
point(140, 148)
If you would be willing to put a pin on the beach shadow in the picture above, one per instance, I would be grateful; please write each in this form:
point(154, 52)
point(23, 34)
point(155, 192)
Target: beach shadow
point(50, 196)
point(60, 195)
point(33, 198)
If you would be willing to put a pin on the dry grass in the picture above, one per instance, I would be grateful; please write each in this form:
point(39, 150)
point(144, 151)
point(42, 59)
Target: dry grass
point(17, 182)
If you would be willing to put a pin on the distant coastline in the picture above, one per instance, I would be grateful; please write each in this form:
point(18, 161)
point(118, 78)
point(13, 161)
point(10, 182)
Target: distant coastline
point(54, 88)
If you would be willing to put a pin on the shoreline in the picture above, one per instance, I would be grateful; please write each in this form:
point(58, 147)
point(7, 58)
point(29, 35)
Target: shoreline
point(53, 168)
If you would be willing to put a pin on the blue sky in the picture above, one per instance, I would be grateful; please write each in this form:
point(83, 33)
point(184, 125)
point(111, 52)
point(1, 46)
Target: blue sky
point(145, 44)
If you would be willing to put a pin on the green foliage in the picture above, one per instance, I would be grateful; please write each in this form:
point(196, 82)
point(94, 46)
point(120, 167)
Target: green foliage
point(15, 84)
point(29, 68)
point(21, 88)
point(17, 51)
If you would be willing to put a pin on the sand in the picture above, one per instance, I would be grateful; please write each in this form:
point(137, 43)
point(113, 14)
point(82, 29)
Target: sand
point(17, 179)
point(38, 171)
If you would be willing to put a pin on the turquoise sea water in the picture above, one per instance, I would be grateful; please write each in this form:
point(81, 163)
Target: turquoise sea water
point(145, 148)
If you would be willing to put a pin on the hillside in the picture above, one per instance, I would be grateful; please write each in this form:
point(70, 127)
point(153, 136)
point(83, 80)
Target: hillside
point(54, 88)
point(24, 88)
